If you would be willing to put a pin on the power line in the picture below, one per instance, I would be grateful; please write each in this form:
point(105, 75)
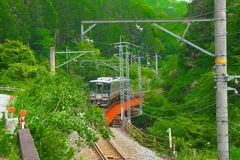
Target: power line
point(183, 114)
point(187, 113)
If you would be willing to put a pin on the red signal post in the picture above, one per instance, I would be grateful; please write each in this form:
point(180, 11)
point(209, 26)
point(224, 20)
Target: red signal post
point(22, 114)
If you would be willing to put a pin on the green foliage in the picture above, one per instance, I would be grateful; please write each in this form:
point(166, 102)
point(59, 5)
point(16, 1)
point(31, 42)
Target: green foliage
point(8, 144)
point(171, 8)
point(15, 52)
point(22, 20)
point(43, 40)
point(8, 27)
point(191, 133)
point(18, 65)
point(185, 87)
point(234, 153)
point(21, 72)
point(56, 106)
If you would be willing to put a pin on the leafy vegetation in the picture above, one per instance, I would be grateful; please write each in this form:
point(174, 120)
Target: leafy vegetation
point(181, 97)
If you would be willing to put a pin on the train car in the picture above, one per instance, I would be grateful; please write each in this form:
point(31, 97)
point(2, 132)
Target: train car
point(106, 90)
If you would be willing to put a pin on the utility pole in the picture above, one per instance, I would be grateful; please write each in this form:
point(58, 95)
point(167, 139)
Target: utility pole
point(221, 82)
point(131, 58)
point(52, 59)
point(147, 60)
point(170, 141)
point(121, 79)
point(128, 87)
point(139, 82)
point(67, 50)
point(156, 65)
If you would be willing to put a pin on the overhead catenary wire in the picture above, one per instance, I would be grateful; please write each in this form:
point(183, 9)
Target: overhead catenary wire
point(214, 11)
point(183, 114)
point(198, 100)
point(188, 113)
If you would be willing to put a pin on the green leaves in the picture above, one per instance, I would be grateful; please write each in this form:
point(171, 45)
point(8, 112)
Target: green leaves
point(56, 106)
point(15, 52)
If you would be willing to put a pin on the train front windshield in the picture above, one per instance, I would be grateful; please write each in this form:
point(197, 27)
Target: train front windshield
point(99, 88)
point(103, 88)
point(92, 87)
point(106, 88)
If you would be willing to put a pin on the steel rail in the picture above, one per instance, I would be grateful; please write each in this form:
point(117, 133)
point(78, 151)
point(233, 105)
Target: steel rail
point(108, 148)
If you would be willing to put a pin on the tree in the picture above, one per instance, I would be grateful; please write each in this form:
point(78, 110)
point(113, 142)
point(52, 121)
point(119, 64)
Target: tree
point(15, 52)
point(56, 106)
point(8, 27)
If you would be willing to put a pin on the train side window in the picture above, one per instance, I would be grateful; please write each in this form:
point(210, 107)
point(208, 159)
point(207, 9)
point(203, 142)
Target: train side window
point(114, 87)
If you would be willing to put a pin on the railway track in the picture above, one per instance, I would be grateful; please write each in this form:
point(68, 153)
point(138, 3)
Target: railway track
point(107, 151)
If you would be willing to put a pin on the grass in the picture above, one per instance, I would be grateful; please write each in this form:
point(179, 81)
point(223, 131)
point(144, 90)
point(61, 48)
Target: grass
point(9, 148)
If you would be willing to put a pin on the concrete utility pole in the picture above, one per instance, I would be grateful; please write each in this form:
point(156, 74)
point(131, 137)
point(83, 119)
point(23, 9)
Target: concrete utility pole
point(156, 56)
point(52, 60)
point(221, 82)
point(170, 141)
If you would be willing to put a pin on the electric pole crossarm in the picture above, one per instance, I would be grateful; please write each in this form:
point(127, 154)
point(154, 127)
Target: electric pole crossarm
point(74, 58)
point(148, 20)
point(72, 52)
point(184, 40)
point(186, 30)
point(103, 62)
point(84, 32)
point(229, 78)
point(115, 68)
point(127, 43)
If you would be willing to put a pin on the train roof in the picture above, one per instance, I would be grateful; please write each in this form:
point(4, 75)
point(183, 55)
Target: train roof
point(108, 79)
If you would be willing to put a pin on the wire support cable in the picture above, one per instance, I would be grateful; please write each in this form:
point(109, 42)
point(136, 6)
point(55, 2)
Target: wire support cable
point(183, 114)
point(189, 113)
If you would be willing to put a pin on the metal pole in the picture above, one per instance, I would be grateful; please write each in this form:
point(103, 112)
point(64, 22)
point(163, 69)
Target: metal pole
point(52, 60)
point(82, 32)
point(131, 58)
point(128, 87)
point(67, 57)
point(156, 65)
point(139, 82)
point(121, 79)
point(170, 140)
point(221, 82)
point(147, 60)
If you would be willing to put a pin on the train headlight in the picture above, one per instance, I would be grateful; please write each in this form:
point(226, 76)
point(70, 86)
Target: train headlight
point(98, 97)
